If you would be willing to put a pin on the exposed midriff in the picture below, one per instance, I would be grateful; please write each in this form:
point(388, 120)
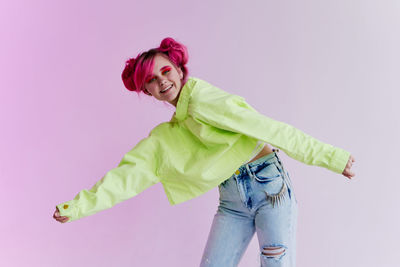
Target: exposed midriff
point(265, 151)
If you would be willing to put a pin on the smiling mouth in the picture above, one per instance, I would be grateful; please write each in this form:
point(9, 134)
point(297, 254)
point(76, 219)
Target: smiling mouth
point(166, 89)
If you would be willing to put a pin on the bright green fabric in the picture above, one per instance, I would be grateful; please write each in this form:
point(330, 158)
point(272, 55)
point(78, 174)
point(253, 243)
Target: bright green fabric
point(211, 134)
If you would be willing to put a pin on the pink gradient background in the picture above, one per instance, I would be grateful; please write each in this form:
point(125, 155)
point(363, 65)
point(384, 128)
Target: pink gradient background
point(329, 68)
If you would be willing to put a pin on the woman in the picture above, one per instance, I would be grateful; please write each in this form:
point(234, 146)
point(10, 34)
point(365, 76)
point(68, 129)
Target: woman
point(214, 138)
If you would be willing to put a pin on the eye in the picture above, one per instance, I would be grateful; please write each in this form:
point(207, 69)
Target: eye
point(151, 79)
point(166, 71)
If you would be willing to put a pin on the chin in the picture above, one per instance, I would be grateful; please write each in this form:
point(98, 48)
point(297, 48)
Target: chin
point(173, 95)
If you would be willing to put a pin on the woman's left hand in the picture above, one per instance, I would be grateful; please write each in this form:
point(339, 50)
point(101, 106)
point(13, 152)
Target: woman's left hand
point(349, 174)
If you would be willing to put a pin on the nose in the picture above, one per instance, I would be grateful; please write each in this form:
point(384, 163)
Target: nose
point(163, 81)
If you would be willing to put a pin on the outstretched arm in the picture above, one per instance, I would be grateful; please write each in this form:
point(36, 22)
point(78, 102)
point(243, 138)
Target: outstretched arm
point(231, 112)
point(136, 171)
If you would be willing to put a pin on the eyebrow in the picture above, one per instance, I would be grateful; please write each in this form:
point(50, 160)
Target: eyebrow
point(164, 67)
point(151, 76)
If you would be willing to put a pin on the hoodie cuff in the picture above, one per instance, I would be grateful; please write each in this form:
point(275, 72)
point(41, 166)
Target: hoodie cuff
point(68, 209)
point(339, 160)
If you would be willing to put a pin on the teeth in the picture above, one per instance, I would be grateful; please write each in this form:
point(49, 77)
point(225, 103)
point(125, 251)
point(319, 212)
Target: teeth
point(166, 89)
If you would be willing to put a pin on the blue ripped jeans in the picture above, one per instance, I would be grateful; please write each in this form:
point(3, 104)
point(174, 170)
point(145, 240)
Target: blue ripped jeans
point(258, 197)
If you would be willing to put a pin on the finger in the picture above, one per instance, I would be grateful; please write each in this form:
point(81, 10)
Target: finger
point(57, 214)
point(60, 218)
point(347, 174)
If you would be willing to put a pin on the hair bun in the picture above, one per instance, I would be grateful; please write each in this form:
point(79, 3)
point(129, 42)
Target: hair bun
point(168, 44)
point(175, 50)
point(127, 74)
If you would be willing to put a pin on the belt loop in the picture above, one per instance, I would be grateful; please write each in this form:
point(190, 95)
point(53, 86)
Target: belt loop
point(249, 171)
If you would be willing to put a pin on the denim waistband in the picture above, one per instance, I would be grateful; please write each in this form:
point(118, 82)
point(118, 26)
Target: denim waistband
point(271, 157)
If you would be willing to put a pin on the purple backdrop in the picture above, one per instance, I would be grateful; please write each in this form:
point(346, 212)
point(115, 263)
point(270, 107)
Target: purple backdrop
point(329, 68)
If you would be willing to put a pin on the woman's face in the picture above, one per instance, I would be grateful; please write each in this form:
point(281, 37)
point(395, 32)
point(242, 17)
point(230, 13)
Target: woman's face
point(165, 75)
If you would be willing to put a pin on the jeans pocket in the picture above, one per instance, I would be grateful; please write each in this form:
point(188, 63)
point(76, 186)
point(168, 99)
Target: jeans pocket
point(270, 180)
point(265, 173)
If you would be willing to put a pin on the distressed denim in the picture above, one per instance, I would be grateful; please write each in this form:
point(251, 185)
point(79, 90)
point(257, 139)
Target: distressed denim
point(259, 198)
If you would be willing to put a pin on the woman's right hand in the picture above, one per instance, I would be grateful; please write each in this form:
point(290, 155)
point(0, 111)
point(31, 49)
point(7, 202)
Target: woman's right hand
point(347, 170)
point(61, 219)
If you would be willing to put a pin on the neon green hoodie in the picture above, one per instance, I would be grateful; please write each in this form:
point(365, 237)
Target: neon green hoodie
point(211, 134)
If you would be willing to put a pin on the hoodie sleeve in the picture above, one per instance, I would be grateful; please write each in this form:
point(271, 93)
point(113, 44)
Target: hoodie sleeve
point(231, 112)
point(136, 172)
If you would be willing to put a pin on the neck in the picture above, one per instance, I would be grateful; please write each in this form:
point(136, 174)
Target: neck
point(175, 101)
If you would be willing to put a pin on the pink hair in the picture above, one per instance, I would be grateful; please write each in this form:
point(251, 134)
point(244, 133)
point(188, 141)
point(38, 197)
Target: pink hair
point(138, 69)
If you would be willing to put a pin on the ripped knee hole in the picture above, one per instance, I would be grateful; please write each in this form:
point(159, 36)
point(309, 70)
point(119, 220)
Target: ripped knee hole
point(273, 251)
